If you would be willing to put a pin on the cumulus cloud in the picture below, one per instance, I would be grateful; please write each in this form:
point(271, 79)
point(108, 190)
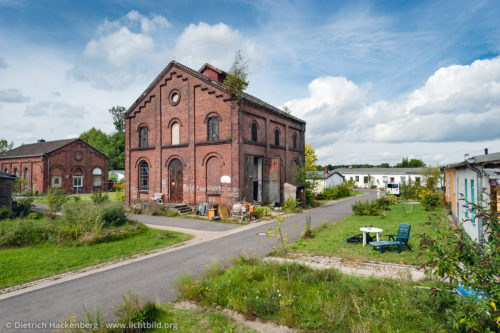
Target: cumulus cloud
point(457, 103)
point(55, 110)
point(3, 64)
point(215, 44)
point(12, 96)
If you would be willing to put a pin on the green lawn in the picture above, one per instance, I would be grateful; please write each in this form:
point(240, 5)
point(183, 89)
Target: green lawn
point(83, 197)
point(19, 265)
point(318, 300)
point(330, 241)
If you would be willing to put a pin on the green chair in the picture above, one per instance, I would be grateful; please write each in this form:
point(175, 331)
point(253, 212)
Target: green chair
point(398, 240)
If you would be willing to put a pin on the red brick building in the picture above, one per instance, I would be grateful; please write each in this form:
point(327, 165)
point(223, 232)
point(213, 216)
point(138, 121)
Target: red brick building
point(72, 165)
point(189, 141)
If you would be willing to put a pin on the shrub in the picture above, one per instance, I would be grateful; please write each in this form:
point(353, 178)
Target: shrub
point(5, 213)
point(132, 312)
point(113, 214)
point(290, 205)
point(119, 191)
point(259, 212)
point(55, 200)
point(18, 233)
point(308, 233)
point(34, 216)
point(22, 207)
point(430, 200)
point(392, 199)
point(99, 198)
point(158, 210)
point(335, 192)
point(366, 208)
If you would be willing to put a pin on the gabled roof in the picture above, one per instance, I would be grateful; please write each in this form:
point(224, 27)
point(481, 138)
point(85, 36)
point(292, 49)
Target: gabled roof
point(209, 81)
point(322, 175)
point(36, 149)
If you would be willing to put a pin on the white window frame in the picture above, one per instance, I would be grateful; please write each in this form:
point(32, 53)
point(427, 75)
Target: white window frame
point(76, 177)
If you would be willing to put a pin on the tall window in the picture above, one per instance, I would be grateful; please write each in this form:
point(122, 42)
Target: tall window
point(143, 136)
point(78, 180)
point(97, 177)
point(294, 139)
point(6, 170)
point(15, 172)
point(276, 137)
point(175, 133)
point(213, 128)
point(143, 176)
point(26, 174)
point(254, 132)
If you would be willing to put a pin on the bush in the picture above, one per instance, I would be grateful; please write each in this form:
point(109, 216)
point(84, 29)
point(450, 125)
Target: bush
point(55, 200)
point(5, 213)
point(308, 233)
point(366, 208)
point(260, 212)
point(132, 312)
point(22, 207)
point(163, 211)
point(392, 199)
point(290, 205)
point(18, 233)
point(113, 214)
point(99, 198)
point(119, 191)
point(34, 216)
point(430, 200)
point(335, 192)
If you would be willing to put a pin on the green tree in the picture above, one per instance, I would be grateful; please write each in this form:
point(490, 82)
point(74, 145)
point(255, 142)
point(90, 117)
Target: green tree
point(384, 165)
point(236, 79)
point(118, 113)
point(5, 146)
point(413, 163)
point(97, 139)
point(113, 146)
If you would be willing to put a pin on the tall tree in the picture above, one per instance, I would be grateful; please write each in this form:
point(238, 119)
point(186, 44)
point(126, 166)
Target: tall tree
point(5, 146)
point(236, 79)
point(118, 113)
point(413, 163)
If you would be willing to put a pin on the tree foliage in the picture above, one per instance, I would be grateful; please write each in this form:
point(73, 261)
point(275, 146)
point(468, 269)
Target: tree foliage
point(413, 163)
point(454, 256)
point(5, 146)
point(113, 146)
point(236, 79)
point(118, 113)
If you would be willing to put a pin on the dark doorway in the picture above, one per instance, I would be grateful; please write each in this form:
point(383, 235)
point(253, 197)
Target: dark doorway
point(175, 181)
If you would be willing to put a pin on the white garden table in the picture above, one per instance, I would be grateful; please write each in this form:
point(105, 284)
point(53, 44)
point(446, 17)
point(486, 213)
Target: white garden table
point(370, 229)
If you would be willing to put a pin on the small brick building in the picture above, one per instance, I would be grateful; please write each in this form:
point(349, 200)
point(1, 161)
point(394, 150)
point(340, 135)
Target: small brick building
point(6, 182)
point(189, 141)
point(71, 164)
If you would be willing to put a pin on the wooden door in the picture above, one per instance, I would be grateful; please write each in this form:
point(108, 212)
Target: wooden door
point(175, 181)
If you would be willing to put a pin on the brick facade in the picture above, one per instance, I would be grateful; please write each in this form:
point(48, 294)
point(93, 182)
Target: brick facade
point(57, 168)
point(224, 170)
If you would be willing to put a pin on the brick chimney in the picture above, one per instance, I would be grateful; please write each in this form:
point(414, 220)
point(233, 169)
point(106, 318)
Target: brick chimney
point(326, 170)
point(485, 151)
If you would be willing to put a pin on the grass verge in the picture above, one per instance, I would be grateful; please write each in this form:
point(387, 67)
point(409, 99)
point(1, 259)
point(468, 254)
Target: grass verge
point(330, 240)
point(317, 300)
point(20, 265)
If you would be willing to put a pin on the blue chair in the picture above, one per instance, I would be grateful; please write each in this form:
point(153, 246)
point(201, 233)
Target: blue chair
point(398, 240)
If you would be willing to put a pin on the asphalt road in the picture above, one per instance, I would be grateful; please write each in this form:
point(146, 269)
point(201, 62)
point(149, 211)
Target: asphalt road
point(152, 279)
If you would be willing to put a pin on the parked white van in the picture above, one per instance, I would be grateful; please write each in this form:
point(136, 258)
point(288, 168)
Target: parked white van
point(393, 188)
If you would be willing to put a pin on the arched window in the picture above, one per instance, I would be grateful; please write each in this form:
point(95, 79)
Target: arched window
point(15, 172)
point(213, 175)
point(254, 132)
point(294, 140)
point(26, 175)
point(143, 176)
point(97, 177)
point(213, 129)
point(175, 133)
point(143, 136)
point(276, 137)
point(6, 170)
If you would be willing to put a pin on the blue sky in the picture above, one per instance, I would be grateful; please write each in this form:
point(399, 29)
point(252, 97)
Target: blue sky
point(375, 80)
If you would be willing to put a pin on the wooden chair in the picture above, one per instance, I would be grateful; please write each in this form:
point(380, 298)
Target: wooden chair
point(399, 240)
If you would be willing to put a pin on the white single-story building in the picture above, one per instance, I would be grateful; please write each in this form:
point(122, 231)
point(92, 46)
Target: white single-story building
point(468, 183)
point(324, 179)
point(366, 177)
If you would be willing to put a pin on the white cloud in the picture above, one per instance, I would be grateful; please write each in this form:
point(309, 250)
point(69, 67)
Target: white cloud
point(215, 44)
point(12, 96)
point(456, 104)
point(55, 110)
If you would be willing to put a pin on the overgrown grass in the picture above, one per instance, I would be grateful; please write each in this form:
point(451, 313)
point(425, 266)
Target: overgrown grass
point(19, 265)
point(318, 300)
point(330, 241)
point(41, 198)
